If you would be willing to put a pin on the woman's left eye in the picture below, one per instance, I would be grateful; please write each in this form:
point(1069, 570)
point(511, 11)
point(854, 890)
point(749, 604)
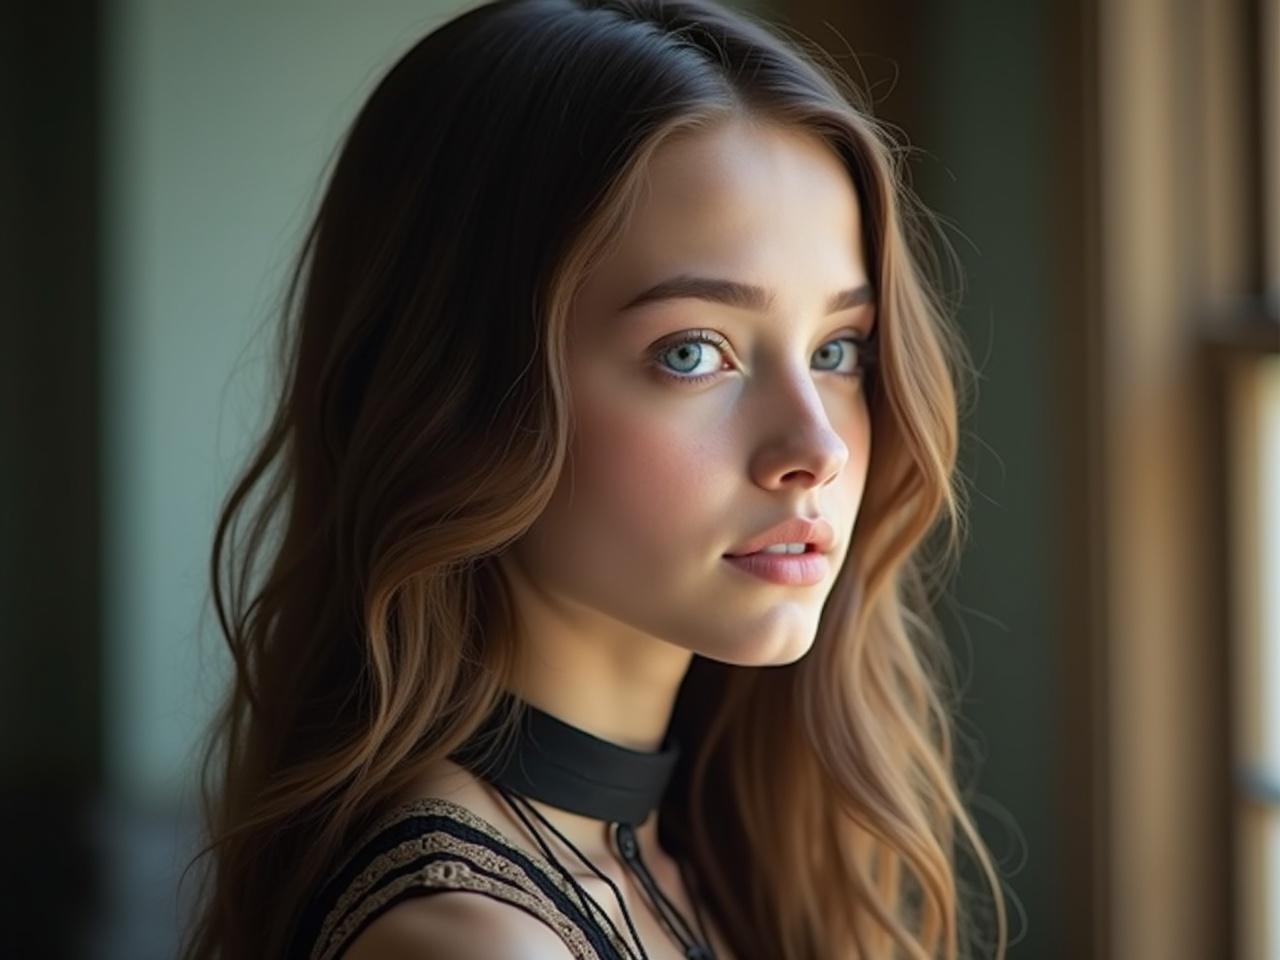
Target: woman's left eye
point(843, 356)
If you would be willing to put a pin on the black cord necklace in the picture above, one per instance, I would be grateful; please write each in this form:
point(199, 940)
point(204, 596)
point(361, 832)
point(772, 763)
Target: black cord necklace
point(566, 767)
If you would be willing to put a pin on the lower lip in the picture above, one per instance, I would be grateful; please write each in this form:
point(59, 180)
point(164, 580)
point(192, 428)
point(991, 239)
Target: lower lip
point(788, 569)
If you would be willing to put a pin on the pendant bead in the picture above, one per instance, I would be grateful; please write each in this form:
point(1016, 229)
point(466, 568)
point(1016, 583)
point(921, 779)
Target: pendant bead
point(627, 841)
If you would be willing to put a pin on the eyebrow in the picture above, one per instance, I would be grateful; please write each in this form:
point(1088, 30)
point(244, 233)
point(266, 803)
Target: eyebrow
point(736, 294)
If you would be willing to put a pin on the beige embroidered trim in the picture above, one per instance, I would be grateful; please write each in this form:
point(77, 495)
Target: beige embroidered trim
point(454, 875)
point(416, 848)
point(458, 876)
point(438, 805)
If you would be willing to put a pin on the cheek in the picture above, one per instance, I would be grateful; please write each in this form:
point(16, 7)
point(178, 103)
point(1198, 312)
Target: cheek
point(654, 478)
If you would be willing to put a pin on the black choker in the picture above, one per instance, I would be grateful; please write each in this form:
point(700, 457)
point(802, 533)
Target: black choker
point(564, 766)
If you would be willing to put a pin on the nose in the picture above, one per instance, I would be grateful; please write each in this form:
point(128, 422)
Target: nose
point(798, 445)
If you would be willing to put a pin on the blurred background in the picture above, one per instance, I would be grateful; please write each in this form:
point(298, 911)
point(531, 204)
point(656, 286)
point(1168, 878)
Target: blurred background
point(1109, 173)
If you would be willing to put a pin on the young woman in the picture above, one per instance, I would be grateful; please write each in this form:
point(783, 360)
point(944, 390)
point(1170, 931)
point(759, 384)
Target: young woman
point(580, 610)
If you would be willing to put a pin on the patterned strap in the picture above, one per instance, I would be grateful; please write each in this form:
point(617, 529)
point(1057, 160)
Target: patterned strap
point(432, 845)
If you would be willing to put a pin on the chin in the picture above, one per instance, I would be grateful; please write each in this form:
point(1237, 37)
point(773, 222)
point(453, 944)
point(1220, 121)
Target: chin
point(768, 651)
point(793, 653)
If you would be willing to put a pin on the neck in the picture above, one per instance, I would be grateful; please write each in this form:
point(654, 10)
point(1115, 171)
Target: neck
point(593, 671)
point(577, 781)
point(600, 676)
point(625, 716)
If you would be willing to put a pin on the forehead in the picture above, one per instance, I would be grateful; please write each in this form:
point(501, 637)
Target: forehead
point(763, 204)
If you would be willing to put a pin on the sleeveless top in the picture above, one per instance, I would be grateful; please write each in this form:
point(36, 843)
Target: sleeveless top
point(431, 845)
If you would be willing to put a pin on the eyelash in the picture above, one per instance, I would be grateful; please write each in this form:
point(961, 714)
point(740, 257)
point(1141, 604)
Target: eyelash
point(866, 355)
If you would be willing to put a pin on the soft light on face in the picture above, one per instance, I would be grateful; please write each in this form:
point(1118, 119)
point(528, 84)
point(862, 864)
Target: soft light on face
point(685, 450)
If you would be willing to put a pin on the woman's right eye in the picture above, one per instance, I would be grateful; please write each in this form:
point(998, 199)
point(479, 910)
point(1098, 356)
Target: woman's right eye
point(677, 359)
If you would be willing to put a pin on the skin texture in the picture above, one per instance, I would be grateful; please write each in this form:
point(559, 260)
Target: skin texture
point(622, 579)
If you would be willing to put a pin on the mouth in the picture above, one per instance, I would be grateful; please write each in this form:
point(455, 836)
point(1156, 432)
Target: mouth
point(784, 569)
point(816, 534)
point(808, 548)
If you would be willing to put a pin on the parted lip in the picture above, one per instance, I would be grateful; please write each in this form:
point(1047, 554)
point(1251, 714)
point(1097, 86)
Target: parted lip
point(795, 530)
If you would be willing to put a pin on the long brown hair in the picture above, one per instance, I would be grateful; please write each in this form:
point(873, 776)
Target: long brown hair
point(352, 565)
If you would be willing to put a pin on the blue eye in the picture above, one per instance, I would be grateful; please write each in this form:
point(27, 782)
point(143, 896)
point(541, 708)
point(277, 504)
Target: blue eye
point(690, 349)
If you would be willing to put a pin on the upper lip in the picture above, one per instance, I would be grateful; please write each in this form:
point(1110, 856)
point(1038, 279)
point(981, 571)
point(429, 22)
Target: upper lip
point(795, 530)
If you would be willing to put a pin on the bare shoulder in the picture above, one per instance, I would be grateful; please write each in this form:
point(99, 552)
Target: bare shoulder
point(459, 924)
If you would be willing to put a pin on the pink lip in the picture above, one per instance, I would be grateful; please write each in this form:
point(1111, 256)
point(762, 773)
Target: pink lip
point(792, 570)
point(816, 532)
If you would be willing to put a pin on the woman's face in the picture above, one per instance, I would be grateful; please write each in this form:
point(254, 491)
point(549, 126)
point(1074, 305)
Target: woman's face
point(683, 451)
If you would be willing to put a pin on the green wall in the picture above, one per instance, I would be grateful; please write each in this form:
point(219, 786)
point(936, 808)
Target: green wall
point(991, 125)
point(220, 121)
